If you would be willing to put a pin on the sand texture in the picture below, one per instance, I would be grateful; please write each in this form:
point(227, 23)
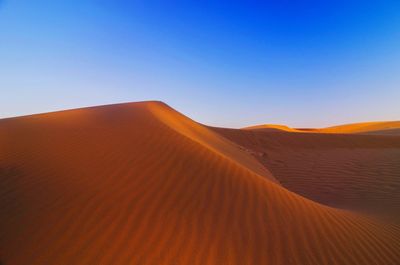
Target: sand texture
point(142, 184)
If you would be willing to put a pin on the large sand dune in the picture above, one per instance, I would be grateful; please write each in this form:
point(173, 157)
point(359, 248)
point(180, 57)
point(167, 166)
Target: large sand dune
point(140, 183)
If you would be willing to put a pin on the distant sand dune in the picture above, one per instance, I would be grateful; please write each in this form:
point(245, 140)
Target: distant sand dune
point(271, 128)
point(366, 127)
point(378, 128)
point(139, 183)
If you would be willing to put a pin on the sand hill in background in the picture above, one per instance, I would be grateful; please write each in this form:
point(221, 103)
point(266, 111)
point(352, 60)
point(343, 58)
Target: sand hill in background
point(377, 128)
point(140, 183)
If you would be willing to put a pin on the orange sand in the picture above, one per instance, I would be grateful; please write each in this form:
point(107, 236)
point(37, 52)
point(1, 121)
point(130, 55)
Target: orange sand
point(142, 184)
point(271, 128)
point(378, 128)
point(389, 127)
point(348, 171)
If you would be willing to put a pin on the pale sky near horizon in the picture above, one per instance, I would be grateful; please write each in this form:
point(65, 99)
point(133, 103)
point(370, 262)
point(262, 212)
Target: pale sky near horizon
point(223, 63)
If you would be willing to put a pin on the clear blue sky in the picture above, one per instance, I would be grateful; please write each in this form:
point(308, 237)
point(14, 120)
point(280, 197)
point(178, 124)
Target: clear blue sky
point(227, 63)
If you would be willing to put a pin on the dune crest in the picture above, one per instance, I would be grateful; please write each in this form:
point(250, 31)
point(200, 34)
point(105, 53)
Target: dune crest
point(271, 127)
point(208, 138)
point(389, 127)
point(378, 128)
point(139, 183)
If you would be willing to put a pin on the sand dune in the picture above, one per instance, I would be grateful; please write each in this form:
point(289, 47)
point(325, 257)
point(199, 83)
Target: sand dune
point(279, 128)
point(378, 128)
point(389, 127)
point(358, 172)
point(140, 183)
point(271, 128)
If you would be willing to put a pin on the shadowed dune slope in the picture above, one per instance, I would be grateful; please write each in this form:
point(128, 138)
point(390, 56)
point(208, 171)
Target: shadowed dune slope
point(141, 184)
point(349, 171)
point(207, 138)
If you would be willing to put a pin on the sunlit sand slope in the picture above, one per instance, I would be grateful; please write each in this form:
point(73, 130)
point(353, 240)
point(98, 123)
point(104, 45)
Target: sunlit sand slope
point(271, 128)
point(141, 184)
point(389, 127)
point(358, 172)
point(378, 128)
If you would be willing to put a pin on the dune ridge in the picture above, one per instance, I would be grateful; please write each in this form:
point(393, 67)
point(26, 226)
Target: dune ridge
point(271, 127)
point(384, 127)
point(207, 138)
point(378, 128)
point(139, 183)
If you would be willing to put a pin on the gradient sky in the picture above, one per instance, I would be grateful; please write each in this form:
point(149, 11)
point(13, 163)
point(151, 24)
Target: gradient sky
point(225, 63)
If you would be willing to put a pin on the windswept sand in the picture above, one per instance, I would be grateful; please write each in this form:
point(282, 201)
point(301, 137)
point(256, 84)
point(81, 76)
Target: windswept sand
point(141, 184)
point(271, 128)
point(388, 127)
point(377, 128)
point(348, 171)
